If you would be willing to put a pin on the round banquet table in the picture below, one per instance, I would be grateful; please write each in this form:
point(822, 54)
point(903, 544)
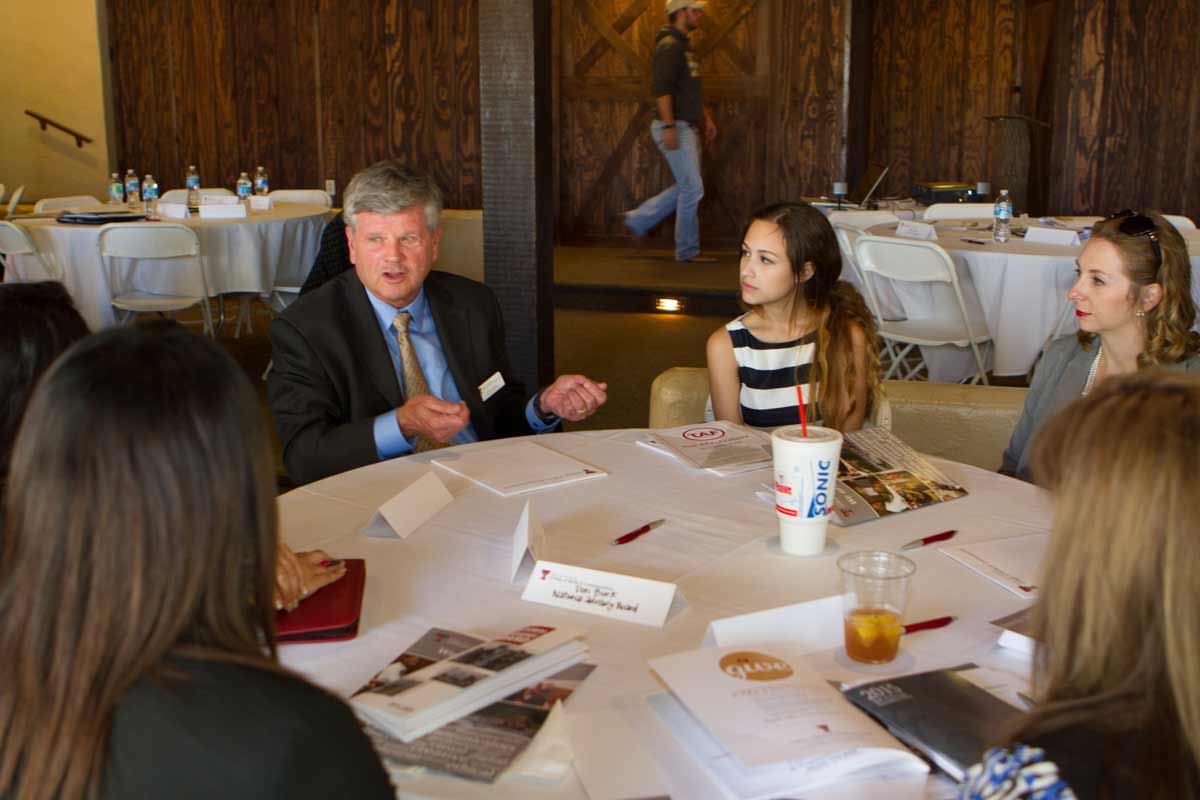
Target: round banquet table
point(267, 248)
point(719, 546)
point(1018, 288)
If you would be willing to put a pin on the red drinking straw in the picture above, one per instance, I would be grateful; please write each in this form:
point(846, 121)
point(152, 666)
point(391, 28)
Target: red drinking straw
point(803, 415)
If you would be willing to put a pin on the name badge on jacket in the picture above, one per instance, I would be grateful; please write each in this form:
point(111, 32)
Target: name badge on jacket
point(491, 386)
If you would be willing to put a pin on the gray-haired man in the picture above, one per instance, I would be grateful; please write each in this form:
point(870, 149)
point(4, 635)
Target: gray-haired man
point(391, 357)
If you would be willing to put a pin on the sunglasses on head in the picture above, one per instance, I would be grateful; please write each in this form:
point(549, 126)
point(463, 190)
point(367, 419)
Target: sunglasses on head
point(1135, 223)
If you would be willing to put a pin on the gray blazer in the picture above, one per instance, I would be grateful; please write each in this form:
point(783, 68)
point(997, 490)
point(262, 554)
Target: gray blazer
point(1058, 380)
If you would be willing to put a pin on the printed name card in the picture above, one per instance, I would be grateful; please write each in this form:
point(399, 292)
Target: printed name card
point(223, 212)
point(916, 230)
point(173, 210)
point(1060, 236)
point(260, 202)
point(812, 626)
point(410, 509)
point(605, 594)
point(220, 200)
point(527, 540)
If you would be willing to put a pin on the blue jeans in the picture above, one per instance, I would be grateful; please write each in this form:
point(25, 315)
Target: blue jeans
point(682, 197)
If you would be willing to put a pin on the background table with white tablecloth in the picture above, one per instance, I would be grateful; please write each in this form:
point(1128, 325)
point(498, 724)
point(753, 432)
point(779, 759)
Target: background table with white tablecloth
point(719, 547)
point(238, 255)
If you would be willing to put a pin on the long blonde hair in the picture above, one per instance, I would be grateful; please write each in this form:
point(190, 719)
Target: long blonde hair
point(1118, 615)
point(835, 304)
point(1167, 327)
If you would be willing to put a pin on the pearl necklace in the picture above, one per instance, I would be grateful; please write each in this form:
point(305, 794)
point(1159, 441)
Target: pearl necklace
point(1087, 387)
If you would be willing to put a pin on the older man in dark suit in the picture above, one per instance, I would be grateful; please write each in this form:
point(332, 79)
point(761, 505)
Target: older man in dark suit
point(391, 357)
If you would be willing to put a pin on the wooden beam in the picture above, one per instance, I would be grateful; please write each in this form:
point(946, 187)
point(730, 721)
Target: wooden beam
point(601, 46)
point(636, 127)
point(602, 26)
point(723, 28)
point(717, 88)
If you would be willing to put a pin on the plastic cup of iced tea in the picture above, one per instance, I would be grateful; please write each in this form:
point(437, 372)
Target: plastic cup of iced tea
point(875, 587)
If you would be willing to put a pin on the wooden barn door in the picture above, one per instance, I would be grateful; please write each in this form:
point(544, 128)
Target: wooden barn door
point(774, 77)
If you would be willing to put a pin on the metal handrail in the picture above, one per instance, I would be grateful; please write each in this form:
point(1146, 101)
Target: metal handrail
point(44, 121)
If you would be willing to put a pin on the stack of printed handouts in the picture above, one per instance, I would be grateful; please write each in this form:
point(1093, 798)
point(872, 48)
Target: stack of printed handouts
point(762, 724)
point(721, 448)
point(408, 703)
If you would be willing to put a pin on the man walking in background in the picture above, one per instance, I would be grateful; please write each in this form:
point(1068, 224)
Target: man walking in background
point(681, 111)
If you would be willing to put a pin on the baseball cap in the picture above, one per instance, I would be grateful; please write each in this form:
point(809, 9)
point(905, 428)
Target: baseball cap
point(676, 5)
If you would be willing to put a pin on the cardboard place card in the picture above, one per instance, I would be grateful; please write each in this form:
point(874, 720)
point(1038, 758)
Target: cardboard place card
point(605, 594)
point(260, 202)
point(410, 509)
point(1060, 236)
point(916, 230)
point(208, 211)
point(528, 539)
point(220, 200)
point(173, 210)
point(812, 626)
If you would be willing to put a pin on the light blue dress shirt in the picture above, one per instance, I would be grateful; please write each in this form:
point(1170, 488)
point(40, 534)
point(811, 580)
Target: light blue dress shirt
point(389, 441)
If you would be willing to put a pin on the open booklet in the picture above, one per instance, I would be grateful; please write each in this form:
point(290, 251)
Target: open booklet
point(409, 697)
point(483, 744)
point(761, 723)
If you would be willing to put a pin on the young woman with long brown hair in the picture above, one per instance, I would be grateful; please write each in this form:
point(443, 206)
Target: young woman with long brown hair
point(806, 330)
point(137, 615)
point(1118, 613)
point(1133, 303)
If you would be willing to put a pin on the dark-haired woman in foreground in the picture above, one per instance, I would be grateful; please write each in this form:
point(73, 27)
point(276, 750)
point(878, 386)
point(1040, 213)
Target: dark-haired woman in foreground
point(137, 614)
point(1118, 613)
point(805, 331)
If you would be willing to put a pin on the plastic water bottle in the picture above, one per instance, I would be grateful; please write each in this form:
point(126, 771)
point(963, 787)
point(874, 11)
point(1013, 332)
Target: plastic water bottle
point(116, 190)
point(243, 188)
point(1001, 216)
point(261, 187)
point(192, 181)
point(150, 195)
point(133, 194)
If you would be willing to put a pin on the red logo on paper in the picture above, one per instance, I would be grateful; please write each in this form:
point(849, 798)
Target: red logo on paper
point(545, 572)
point(703, 434)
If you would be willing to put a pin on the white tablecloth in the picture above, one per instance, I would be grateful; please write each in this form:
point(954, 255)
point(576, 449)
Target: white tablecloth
point(1019, 288)
point(239, 255)
point(720, 547)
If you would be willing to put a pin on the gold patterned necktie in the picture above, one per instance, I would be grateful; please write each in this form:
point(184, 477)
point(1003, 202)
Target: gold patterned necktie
point(414, 379)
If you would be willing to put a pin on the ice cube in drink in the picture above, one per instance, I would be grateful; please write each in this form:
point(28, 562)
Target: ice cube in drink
point(873, 635)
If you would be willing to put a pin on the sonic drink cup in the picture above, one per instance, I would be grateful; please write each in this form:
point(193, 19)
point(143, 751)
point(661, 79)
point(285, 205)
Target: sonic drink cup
point(806, 470)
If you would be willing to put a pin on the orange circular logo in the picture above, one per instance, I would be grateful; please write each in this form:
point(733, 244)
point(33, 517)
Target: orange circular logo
point(750, 666)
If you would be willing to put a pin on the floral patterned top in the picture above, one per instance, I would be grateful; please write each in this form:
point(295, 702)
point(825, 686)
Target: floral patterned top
point(1018, 772)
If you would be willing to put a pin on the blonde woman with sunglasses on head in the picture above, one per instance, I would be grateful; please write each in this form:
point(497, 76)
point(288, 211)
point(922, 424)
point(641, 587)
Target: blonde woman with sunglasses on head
point(1133, 303)
point(1117, 618)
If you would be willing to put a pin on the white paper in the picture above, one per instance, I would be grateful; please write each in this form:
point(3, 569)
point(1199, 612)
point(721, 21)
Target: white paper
point(711, 445)
point(220, 200)
point(519, 467)
point(173, 210)
point(237, 211)
point(1013, 563)
point(410, 509)
point(605, 594)
point(260, 202)
point(601, 739)
point(1060, 236)
point(528, 538)
point(650, 443)
point(812, 626)
point(916, 230)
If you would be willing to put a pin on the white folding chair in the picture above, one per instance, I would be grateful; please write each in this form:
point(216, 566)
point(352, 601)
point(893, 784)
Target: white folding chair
point(180, 195)
point(159, 241)
point(62, 203)
point(847, 235)
point(1180, 223)
point(919, 262)
point(958, 211)
point(15, 201)
point(316, 197)
point(14, 241)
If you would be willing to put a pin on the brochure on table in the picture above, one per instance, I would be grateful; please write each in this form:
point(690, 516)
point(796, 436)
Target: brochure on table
point(411, 508)
point(1013, 563)
point(788, 729)
point(652, 443)
point(712, 445)
point(410, 703)
point(591, 591)
point(517, 468)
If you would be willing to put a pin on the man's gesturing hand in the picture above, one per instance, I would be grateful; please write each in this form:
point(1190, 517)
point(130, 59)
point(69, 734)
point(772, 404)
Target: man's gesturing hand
point(573, 397)
point(432, 418)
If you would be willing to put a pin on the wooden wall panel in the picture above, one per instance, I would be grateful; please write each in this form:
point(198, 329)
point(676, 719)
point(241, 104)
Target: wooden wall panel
point(311, 89)
point(938, 68)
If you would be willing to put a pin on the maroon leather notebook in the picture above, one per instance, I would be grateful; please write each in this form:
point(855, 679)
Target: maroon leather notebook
point(330, 615)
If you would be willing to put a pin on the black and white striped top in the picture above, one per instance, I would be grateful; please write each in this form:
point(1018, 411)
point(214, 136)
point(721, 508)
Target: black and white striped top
point(769, 373)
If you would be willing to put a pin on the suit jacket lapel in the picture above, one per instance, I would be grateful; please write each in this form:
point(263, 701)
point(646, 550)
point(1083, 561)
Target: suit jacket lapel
point(453, 328)
point(374, 356)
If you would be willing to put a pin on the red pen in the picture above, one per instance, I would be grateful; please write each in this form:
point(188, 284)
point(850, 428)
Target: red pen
point(629, 537)
point(937, 537)
point(928, 625)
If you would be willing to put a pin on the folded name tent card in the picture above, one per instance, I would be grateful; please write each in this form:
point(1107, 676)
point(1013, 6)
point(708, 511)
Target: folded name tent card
point(210, 211)
point(517, 468)
point(173, 210)
point(220, 200)
point(916, 230)
point(605, 594)
point(528, 539)
point(812, 626)
point(260, 202)
point(1013, 563)
point(411, 508)
point(1060, 236)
